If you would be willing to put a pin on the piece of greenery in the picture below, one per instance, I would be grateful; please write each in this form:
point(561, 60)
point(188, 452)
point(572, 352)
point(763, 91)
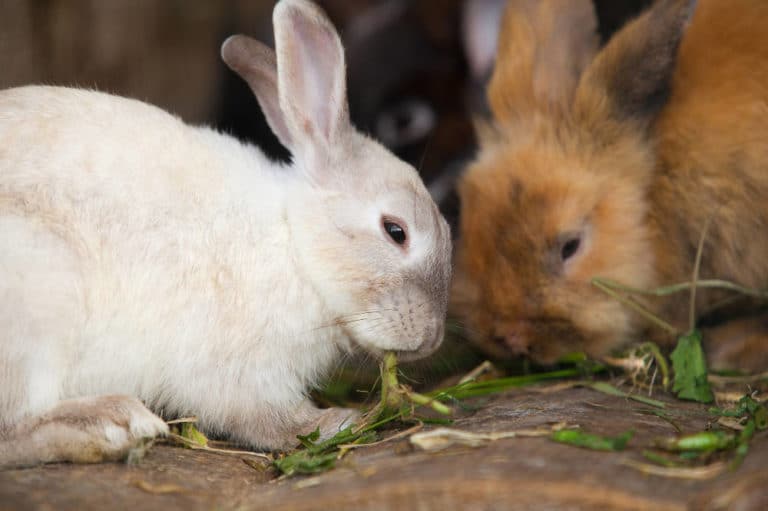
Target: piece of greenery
point(191, 433)
point(690, 368)
point(607, 388)
point(591, 441)
point(399, 402)
point(483, 388)
point(320, 456)
point(705, 441)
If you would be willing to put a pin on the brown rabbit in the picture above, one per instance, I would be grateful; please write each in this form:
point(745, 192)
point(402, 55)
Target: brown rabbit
point(610, 163)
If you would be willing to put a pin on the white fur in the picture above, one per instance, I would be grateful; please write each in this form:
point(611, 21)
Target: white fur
point(142, 256)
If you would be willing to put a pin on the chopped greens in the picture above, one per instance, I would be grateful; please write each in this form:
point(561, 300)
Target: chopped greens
point(690, 369)
point(592, 441)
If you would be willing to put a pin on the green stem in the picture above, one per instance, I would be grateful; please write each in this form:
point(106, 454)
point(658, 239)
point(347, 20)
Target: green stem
point(608, 287)
point(660, 360)
point(695, 278)
point(482, 388)
point(682, 286)
point(422, 400)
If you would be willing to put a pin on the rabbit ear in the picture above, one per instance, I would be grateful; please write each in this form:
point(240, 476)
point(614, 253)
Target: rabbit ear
point(311, 76)
point(480, 25)
point(255, 63)
point(635, 68)
point(543, 47)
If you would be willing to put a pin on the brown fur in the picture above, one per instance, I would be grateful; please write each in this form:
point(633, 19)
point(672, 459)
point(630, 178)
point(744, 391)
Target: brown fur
point(634, 157)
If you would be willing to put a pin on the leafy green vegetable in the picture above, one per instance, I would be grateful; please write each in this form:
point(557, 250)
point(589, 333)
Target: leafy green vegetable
point(320, 456)
point(690, 369)
point(591, 441)
point(702, 441)
point(190, 432)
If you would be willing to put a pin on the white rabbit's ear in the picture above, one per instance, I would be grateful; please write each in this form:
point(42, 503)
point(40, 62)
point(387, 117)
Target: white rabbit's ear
point(311, 76)
point(256, 64)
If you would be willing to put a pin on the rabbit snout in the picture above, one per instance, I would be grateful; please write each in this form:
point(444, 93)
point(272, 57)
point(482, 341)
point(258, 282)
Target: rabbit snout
point(402, 320)
point(515, 337)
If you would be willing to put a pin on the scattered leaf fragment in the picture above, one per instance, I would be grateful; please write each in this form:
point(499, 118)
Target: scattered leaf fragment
point(591, 441)
point(690, 369)
point(190, 432)
point(701, 441)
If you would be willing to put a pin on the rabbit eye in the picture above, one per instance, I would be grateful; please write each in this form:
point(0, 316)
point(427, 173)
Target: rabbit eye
point(569, 248)
point(395, 231)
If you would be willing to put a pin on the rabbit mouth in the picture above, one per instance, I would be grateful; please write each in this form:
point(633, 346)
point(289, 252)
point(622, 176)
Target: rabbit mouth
point(429, 345)
point(543, 341)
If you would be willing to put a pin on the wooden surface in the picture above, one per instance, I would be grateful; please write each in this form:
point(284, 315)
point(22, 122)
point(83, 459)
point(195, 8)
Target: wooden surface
point(510, 474)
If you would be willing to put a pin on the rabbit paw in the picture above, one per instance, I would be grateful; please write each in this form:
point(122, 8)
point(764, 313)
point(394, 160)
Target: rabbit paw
point(83, 430)
point(333, 420)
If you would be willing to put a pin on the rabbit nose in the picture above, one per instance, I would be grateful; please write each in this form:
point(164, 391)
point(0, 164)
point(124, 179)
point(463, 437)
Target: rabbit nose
point(516, 338)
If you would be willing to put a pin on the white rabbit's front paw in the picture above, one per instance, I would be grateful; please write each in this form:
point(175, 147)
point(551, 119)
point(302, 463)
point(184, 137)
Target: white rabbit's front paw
point(333, 420)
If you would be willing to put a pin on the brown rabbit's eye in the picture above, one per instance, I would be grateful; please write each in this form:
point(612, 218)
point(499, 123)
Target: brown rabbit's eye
point(395, 232)
point(570, 247)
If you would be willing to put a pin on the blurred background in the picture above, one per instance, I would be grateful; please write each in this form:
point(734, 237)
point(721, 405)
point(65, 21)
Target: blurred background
point(416, 68)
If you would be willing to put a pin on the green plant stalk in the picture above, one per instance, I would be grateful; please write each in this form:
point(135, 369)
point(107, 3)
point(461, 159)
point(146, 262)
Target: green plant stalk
point(422, 400)
point(680, 287)
point(661, 361)
point(483, 388)
point(591, 441)
point(394, 395)
point(608, 287)
point(659, 459)
point(702, 441)
point(695, 277)
point(389, 399)
point(607, 388)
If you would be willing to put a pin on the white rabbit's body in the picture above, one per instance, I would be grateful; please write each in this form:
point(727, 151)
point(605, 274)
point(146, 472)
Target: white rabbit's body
point(156, 256)
point(144, 258)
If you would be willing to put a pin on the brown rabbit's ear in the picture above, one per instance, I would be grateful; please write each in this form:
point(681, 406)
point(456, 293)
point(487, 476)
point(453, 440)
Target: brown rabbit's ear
point(543, 47)
point(634, 70)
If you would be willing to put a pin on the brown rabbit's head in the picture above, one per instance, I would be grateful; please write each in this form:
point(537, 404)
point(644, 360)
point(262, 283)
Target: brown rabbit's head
point(557, 195)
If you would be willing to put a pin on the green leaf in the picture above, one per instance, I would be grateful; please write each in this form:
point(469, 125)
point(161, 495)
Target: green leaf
point(591, 441)
point(310, 439)
point(190, 432)
point(302, 462)
point(690, 369)
point(702, 441)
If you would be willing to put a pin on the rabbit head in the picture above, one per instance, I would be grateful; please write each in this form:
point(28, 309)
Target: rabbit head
point(364, 228)
point(558, 193)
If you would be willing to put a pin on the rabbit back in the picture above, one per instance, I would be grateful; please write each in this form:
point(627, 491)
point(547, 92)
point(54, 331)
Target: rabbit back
point(156, 251)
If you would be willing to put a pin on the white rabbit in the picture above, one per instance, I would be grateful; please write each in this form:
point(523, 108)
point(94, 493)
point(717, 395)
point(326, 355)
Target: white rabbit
point(142, 259)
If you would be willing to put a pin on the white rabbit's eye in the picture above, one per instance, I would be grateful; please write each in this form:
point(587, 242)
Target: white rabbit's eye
point(569, 248)
point(395, 231)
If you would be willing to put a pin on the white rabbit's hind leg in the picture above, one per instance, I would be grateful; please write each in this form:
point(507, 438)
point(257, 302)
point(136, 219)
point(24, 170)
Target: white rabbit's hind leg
point(82, 430)
point(41, 314)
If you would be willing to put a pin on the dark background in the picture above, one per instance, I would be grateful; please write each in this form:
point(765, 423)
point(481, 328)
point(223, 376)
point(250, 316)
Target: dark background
point(409, 81)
